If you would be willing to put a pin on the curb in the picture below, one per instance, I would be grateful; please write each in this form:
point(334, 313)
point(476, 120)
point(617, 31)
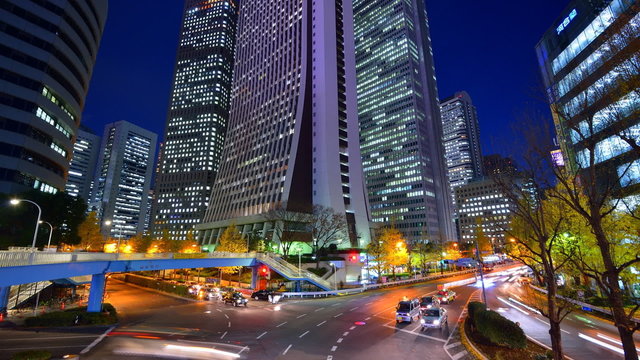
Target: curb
point(544, 346)
point(471, 349)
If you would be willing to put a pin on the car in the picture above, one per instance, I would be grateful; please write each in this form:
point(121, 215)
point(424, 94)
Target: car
point(524, 280)
point(428, 302)
point(261, 294)
point(235, 299)
point(487, 268)
point(434, 318)
point(446, 296)
point(407, 310)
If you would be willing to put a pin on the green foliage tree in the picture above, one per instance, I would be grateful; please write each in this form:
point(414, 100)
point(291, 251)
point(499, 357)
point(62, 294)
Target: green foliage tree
point(232, 241)
point(395, 248)
point(91, 238)
point(140, 243)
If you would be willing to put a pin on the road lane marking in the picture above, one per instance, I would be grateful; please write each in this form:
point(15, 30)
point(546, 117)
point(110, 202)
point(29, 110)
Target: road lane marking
point(345, 333)
point(546, 323)
point(409, 332)
point(601, 343)
point(615, 341)
point(329, 357)
point(223, 335)
point(368, 318)
point(322, 323)
point(339, 340)
point(417, 327)
point(281, 324)
point(227, 316)
point(301, 316)
point(525, 306)
point(261, 335)
point(335, 316)
point(354, 308)
point(369, 303)
point(453, 345)
point(318, 309)
point(336, 304)
point(513, 306)
point(459, 355)
point(229, 324)
point(334, 348)
point(219, 310)
point(351, 328)
point(303, 334)
point(287, 349)
point(96, 341)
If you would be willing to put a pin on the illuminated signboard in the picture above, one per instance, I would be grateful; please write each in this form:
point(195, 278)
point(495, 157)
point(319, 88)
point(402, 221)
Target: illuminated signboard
point(563, 25)
point(557, 158)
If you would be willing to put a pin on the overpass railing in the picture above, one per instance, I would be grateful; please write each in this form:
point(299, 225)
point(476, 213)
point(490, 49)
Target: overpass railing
point(23, 258)
point(291, 271)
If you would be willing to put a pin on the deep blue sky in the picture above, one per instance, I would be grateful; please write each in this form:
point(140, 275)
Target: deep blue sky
point(483, 47)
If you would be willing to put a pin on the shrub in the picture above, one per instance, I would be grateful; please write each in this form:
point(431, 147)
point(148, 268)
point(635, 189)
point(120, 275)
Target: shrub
point(32, 355)
point(474, 308)
point(546, 356)
point(500, 330)
point(68, 317)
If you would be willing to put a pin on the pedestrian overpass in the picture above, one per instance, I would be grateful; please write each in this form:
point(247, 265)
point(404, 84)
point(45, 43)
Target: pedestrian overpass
point(20, 267)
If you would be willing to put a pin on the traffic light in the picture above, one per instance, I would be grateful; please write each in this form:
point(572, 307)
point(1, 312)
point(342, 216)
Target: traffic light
point(353, 257)
point(264, 271)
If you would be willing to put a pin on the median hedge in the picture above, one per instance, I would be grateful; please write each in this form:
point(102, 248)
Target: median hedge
point(32, 355)
point(495, 328)
point(74, 317)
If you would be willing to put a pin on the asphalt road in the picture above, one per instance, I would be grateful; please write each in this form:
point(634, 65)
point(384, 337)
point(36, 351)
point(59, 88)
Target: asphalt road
point(583, 336)
point(59, 342)
point(358, 326)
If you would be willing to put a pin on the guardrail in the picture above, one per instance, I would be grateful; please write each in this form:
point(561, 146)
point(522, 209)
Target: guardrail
point(377, 286)
point(583, 305)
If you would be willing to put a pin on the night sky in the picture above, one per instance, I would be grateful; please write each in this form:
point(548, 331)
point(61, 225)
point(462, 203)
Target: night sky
point(483, 47)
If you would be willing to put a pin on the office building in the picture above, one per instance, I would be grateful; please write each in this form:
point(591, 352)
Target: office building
point(400, 126)
point(482, 203)
point(83, 164)
point(123, 177)
point(197, 116)
point(498, 165)
point(47, 53)
point(589, 60)
point(292, 138)
point(461, 136)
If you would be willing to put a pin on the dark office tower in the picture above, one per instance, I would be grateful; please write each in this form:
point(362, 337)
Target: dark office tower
point(498, 165)
point(47, 52)
point(590, 62)
point(400, 127)
point(292, 139)
point(197, 117)
point(83, 164)
point(123, 177)
point(461, 139)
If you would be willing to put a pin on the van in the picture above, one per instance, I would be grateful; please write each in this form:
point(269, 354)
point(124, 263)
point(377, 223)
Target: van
point(407, 310)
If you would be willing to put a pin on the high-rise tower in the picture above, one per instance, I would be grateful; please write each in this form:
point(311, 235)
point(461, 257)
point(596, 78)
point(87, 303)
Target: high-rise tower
point(197, 117)
point(400, 128)
point(123, 176)
point(83, 164)
point(47, 53)
point(292, 138)
point(461, 135)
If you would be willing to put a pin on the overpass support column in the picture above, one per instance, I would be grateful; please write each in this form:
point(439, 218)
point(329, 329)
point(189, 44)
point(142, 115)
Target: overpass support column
point(298, 286)
point(98, 282)
point(254, 277)
point(4, 298)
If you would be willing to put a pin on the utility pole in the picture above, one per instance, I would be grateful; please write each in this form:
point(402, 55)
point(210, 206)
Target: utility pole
point(481, 265)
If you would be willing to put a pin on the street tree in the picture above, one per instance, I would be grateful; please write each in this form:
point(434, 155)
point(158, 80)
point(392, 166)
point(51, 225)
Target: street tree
point(327, 227)
point(231, 240)
point(289, 227)
point(394, 247)
point(89, 232)
point(140, 243)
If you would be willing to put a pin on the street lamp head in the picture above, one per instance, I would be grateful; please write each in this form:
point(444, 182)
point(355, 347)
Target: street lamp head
point(14, 201)
point(108, 222)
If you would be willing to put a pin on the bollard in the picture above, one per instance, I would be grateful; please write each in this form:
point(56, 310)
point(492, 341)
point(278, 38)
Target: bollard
point(1, 316)
point(62, 305)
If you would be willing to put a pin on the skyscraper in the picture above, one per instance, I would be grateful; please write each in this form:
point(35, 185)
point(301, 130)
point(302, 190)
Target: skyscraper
point(197, 117)
point(83, 164)
point(123, 177)
point(461, 134)
point(47, 53)
point(400, 127)
point(292, 138)
point(590, 63)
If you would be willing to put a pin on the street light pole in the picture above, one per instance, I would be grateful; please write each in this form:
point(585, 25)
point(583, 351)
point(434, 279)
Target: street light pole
point(335, 279)
point(50, 232)
point(35, 234)
point(484, 293)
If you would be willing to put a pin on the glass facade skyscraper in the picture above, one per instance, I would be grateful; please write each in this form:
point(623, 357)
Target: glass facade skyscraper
point(461, 135)
point(197, 116)
point(123, 177)
point(47, 53)
point(400, 127)
point(590, 63)
point(292, 139)
point(83, 164)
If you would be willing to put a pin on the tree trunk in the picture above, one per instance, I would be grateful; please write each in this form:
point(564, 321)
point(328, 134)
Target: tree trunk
point(553, 316)
point(614, 293)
